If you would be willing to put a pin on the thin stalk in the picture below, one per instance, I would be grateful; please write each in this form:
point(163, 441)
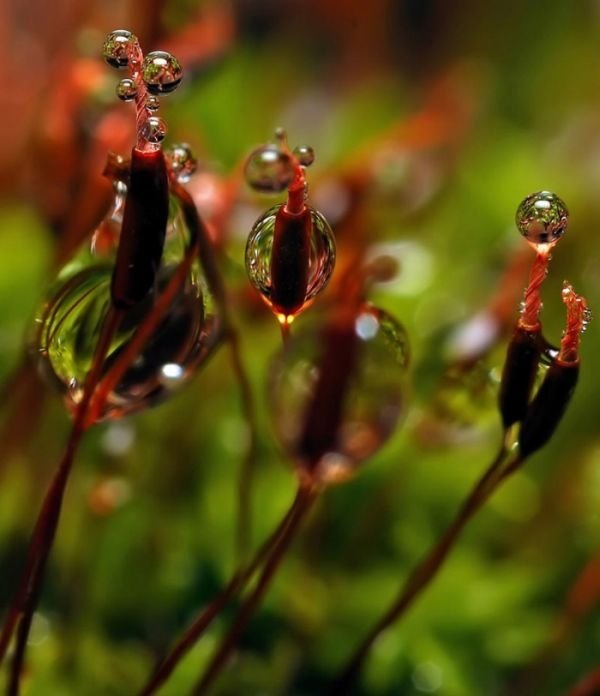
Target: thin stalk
point(26, 598)
point(423, 574)
point(249, 461)
point(306, 496)
point(209, 613)
point(206, 254)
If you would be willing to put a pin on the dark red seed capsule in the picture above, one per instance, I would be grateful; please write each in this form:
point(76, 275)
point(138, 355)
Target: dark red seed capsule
point(324, 413)
point(290, 258)
point(143, 230)
point(518, 376)
point(548, 406)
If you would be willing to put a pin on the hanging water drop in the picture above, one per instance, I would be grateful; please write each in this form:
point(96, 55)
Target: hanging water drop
point(161, 72)
point(542, 218)
point(126, 89)
point(269, 169)
point(338, 390)
point(117, 48)
point(320, 261)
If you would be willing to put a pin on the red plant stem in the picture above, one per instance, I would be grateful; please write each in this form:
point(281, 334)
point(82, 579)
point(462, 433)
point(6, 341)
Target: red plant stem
point(27, 596)
point(530, 316)
point(423, 574)
point(577, 318)
point(306, 496)
point(204, 620)
point(140, 337)
point(588, 686)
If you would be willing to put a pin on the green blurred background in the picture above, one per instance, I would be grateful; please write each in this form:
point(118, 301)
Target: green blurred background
point(446, 114)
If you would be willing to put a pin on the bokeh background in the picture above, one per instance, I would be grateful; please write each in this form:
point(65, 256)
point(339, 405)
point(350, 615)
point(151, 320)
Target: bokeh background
point(430, 120)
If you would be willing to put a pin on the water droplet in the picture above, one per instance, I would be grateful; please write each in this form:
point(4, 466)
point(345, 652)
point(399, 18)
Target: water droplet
point(117, 48)
point(259, 248)
point(152, 102)
point(69, 322)
point(161, 72)
point(305, 155)
point(542, 218)
point(360, 400)
point(126, 89)
point(154, 130)
point(269, 169)
point(183, 162)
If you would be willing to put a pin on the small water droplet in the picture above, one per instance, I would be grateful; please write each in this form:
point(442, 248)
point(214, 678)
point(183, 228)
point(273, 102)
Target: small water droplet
point(126, 89)
point(259, 251)
point(542, 218)
point(161, 72)
point(152, 102)
point(269, 169)
point(154, 130)
point(117, 48)
point(305, 155)
point(183, 162)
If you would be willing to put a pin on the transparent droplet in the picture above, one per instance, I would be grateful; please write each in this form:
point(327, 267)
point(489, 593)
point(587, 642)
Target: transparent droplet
point(152, 102)
point(269, 169)
point(339, 409)
point(154, 130)
point(183, 162)
point(117, 48)
point(68, 324)
point(126, 89)
point(161, 72)
point(259, 248)
point(305, 155)
point(542, 218)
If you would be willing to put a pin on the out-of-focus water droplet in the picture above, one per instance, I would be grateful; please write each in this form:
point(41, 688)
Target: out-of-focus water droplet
point(126, 89)
point(154, 130)
point(182, 160)
point(161, 72)
point(370, 393)
point(542, 218)
point(259, 249)
point(117, 48)
point(269, 169)
point(69, 323)
point(305, 155)
point(152, 102)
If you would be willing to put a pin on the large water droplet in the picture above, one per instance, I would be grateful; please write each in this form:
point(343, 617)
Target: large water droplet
point(269, 169)
point(337, 391)
point(542, 218)
point(161, 72)
point(259, 247)
point(117, 48)
point(69, 323)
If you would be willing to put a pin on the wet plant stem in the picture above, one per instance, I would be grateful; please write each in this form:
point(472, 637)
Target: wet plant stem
point(300, 507)
point(505, 463)
point(27, 596)
point(209, 613)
